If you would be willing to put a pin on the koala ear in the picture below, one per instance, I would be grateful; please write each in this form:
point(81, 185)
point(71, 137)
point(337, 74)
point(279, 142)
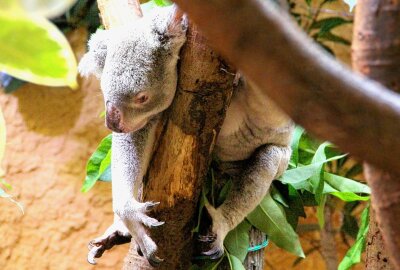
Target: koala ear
point(93, 61)
point(169, 23)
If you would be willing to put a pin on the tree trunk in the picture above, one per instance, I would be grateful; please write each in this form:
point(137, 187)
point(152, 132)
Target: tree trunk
point(376, 257)
point(328, 244)
point(181, 159)
point(255, 259)
point(376, 54)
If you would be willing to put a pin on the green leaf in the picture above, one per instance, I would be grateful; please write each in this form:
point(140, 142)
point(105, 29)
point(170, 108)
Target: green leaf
point(327, 24)
point(353, 255)
point(162, 3)
point(270, 218)
point(300, 174)
point(224, 192)
point(34, 50)
point(344, 184)
point(326, 48)
point(332, 37)
point(237, 241)
point(98, 163)
point(350, 196)
point(277, 196)
point(298, 132)
point(317, 180)
point(296, 208)
point(5, 184)
point(235, 263)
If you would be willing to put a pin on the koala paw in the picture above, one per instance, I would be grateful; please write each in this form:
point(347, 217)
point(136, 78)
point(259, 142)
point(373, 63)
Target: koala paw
point(136, 219)
point(216, 237)
point(116, 234)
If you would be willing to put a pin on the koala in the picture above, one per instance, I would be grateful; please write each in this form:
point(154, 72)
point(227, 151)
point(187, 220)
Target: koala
point(137, 67)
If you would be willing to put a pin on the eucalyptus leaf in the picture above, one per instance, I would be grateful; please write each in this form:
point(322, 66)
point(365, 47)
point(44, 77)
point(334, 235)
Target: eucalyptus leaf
point(350, 196)
point(162, 3)
point(329, 36)
point(270, 218)
point(317, 180)
point(237, 241)
point(298, 132)
point(300, 174)
point(34, 50)
point(344, 184)
point(327, 24)
point(98, 163)
point(235, 263)
point(224, 192)
point(353, 255)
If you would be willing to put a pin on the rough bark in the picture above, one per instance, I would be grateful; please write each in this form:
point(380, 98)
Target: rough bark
point(327, 99)
point(376, 254)
point(328, 244)
point(376, 54)
point(255, 259)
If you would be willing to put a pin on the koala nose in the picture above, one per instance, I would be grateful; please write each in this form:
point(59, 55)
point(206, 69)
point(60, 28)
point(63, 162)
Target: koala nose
point(113, 117)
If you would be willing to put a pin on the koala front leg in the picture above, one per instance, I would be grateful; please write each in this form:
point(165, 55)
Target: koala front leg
point(130, 157)
point(266, 164)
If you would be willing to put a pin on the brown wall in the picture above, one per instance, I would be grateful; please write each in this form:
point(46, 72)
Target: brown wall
point(51, 132)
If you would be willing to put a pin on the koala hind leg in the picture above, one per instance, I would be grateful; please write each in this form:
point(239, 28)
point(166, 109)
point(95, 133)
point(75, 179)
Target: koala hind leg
point(267, 163)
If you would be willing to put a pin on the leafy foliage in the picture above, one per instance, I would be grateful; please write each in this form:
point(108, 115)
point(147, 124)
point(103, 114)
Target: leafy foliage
point(320, 29)
point(269, 217)
point(98, 164)
point(353, 255)
point(43, 58)
point(83, 13)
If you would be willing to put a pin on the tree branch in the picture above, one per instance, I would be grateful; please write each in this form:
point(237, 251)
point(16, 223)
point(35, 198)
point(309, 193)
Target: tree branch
point(329, 100)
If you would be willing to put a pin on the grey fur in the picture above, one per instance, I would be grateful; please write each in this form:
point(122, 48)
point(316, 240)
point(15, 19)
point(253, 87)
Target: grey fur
point(143, 57)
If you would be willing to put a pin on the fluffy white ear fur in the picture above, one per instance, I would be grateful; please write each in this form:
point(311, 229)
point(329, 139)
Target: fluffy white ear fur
point(163, 21)
point(93, 61)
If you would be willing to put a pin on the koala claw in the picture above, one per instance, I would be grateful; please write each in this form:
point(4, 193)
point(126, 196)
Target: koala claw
point(207, 238)
point(154, 260)
point(148, 206)
point(115, 235)
point(215, 252)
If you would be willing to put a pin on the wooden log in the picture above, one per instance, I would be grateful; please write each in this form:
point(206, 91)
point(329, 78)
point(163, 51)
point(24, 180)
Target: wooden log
point(376, 54)
point(181, 159)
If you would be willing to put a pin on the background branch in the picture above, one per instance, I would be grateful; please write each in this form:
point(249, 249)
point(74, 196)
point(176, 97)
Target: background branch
point(315, 90)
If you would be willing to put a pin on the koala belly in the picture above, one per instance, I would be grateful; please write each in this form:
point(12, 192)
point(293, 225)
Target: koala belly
point(247, 127)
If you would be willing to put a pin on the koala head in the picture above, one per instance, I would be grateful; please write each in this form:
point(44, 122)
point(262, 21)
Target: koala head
point(137, 67)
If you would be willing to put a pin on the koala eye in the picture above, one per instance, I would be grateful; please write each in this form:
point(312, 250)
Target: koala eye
point(140, 98)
